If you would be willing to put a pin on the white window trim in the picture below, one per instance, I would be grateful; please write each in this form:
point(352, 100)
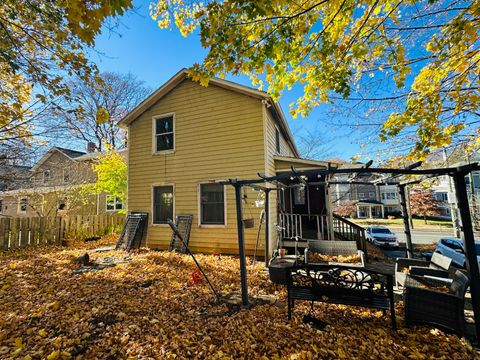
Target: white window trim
point(114, 204)
point(199, 206)
point(154, 135)
point(65, 171)
point(151, 203)
point(19, 211)
point(279, 150)
point(49, 175)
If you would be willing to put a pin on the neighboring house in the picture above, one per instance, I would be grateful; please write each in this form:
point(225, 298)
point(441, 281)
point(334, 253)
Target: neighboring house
point(444, 192)
point(371, 201)
point(185, 139)
point(53, 186)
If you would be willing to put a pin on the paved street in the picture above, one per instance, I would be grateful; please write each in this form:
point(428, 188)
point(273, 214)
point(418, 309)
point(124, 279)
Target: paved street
point(422, 236)
point(418, 237)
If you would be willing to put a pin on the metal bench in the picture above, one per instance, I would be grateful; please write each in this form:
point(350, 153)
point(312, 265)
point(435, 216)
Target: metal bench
point(338, 284)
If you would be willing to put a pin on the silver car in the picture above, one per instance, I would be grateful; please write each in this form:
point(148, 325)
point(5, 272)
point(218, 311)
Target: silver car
point(381, 236)
point(453, 248)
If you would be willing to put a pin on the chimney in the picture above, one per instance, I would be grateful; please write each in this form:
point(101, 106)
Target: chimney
point(91, 147)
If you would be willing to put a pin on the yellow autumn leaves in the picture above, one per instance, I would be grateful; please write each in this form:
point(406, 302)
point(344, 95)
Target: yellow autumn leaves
point(330, 49)
point(148, 308)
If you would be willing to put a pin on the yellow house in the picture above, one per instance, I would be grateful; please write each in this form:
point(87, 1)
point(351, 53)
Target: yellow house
point(185, 140)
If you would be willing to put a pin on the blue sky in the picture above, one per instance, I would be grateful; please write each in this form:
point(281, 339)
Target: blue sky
point(139, 46)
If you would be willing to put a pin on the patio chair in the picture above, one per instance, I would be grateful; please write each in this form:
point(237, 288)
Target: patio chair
point(438, 266)
point(445, 310)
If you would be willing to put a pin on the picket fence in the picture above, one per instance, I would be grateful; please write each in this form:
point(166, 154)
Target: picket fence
point(18, 232)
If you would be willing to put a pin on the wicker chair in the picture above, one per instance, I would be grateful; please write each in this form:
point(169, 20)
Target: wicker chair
point(438, 266)
point(444, 310)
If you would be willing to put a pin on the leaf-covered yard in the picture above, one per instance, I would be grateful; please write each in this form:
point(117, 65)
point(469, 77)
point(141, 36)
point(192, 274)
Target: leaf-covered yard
point(148, 308)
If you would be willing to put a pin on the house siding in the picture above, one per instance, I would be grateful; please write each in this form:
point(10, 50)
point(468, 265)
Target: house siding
point(218, 135)
point(270, 168)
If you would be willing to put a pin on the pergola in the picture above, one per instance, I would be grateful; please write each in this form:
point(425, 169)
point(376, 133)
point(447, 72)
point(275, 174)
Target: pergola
point(388, 176)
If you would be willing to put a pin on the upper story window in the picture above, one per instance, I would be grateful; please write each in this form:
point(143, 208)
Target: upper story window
point(164, 133)
point(22, 205)
point(389, 195)
point(114, 203)
point(46, 176)
point(441, 196)
point(66, 176)
point(371, 195)
point(361, 196)
point(277, 141)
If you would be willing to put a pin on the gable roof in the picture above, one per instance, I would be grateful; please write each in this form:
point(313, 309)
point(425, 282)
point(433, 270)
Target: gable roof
point(69, 153)
point(163, 90)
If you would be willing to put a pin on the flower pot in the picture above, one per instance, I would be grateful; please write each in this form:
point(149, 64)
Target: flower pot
point(248, 223)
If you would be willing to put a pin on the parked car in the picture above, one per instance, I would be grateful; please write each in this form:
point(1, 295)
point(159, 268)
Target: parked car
point(381, 236)
point(453, 248)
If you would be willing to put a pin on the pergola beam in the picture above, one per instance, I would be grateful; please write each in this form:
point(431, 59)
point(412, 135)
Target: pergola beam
point(334, 171)
point(468, 244)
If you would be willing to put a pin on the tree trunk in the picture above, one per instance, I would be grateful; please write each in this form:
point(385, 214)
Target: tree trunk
point(425, 219)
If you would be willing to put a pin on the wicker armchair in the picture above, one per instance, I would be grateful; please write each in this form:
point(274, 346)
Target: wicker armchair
point(438, 266)
point(425, 305)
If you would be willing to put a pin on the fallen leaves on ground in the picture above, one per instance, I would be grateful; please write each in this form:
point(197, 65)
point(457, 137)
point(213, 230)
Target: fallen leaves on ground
point(314, 257)
point(149, 308)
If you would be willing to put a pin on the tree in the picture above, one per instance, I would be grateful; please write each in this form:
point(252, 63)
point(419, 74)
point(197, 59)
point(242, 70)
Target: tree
point(41, 43)
point(428, 50)
point(423, 203)
point(91, 112)
point(346, 209)
point(111, 171)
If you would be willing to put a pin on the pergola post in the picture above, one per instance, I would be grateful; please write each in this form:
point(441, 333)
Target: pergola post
point(468, 244)
point(267, 226)
point(406, 223)
point(241, 243)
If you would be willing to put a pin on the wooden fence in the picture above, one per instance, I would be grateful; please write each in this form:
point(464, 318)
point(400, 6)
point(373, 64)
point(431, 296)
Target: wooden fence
point(24, 231)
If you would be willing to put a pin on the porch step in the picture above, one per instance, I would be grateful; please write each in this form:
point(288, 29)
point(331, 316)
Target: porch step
point(303, 243)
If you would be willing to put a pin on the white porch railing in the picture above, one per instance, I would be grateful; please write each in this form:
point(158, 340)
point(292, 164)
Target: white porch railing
point(304, 226)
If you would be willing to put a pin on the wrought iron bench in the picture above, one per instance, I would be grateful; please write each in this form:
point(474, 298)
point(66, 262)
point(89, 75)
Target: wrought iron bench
point(338, 284)
point(438, 266)
point(426, 305)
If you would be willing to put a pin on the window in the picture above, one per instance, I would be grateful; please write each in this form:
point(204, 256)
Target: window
point(62, 204)
point(441, 196)
point(277, 141)
point(361, 196)
point(22, 205)
point(162, 204)
point(46, 176)
point(371, 195)
point(212, 204)
point(66, 176)
point(299, 195)
point(164, 133)
point(114, 203)
point(389, 196)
